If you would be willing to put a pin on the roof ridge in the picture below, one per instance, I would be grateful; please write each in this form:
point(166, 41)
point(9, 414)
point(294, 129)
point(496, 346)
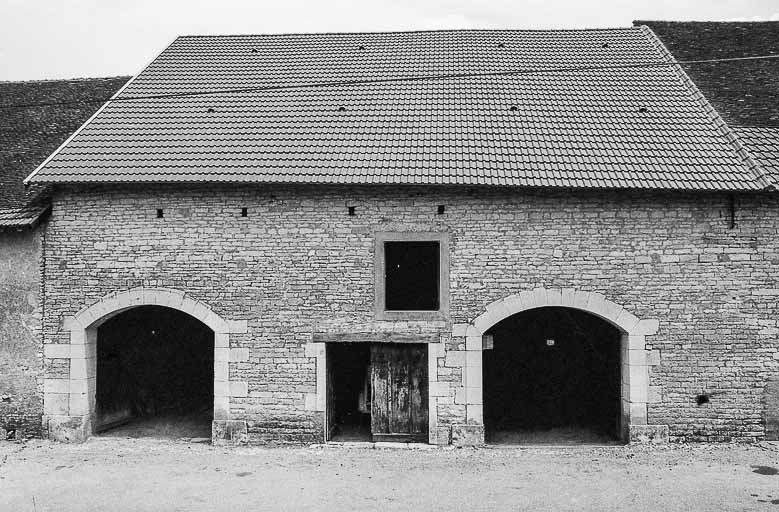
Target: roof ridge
point(761, 176)
point(422, 31)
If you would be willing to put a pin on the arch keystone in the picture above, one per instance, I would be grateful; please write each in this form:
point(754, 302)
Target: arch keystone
point(554, 297)
point(580, 300)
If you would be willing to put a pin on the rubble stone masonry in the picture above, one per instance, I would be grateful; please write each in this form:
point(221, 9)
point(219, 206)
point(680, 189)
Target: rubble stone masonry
point(21, 404)
point(703, 266)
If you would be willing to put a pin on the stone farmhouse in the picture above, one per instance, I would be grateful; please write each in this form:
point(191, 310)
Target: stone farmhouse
point(27, 136)
point(448, 237)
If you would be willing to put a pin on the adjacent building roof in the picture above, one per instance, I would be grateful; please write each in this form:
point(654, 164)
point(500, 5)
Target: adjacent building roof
point(744, 92)
point(554, 108)
point(24, 216)
point(29, 134)
point(763, 144)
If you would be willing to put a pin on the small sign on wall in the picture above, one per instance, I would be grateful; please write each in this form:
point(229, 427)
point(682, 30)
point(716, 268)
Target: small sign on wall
point(487, 342)
point(550, 343)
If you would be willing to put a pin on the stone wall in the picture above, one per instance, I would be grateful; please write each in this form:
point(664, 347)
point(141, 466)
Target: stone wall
point(298, 264)
point(20, 352)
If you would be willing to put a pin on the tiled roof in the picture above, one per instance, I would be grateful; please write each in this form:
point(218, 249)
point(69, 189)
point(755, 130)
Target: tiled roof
point(21, 217)
point(415, 108)
point(763, 144)
point(29, 135)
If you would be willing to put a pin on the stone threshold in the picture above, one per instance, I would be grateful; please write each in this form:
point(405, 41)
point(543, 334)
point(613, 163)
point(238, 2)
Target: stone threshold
point(379, 445)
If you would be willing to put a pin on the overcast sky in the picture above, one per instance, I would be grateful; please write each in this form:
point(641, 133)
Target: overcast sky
point(42, 39)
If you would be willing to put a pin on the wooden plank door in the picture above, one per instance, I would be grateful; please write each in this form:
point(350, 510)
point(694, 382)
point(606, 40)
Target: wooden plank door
point(399, 392)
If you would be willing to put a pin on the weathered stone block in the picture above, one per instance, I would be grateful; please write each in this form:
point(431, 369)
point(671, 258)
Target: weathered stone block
point(69, 429)
point(468, 435)
point(229, 432)
point(443, 435)
point(642, 434)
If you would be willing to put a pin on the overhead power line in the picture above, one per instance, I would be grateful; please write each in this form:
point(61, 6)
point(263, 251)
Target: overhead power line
point(342, 83)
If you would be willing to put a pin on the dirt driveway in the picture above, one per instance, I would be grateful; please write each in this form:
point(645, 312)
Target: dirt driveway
point(143, 474)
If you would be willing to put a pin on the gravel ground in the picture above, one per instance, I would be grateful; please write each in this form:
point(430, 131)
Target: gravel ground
point(145, 474)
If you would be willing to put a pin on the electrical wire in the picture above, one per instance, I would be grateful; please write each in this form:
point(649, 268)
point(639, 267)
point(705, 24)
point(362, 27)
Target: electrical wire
point(342, 83)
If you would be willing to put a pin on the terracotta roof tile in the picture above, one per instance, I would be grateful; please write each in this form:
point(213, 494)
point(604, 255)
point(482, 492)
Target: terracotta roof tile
point(763, 144)
point(21, 217)
point(332, 108)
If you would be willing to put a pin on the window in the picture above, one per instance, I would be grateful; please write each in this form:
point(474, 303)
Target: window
point(412, 276)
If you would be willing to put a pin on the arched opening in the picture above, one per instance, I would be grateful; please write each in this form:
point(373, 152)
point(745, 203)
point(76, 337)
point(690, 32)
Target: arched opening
point(552, 375)
point(154, 374)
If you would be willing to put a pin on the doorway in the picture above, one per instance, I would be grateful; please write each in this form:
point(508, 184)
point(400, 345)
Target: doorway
point(377, 392)
point(552, 375)
point(155, 368)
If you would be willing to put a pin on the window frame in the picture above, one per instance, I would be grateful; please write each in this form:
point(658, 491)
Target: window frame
point(381, 312)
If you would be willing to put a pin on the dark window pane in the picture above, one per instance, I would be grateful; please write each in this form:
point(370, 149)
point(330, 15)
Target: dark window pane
point(412, 274)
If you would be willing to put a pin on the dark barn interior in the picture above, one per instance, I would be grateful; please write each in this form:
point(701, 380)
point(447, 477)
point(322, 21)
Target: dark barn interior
point(155, 369)
point(350, 393)
point(413, 271)
point(551, 376)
